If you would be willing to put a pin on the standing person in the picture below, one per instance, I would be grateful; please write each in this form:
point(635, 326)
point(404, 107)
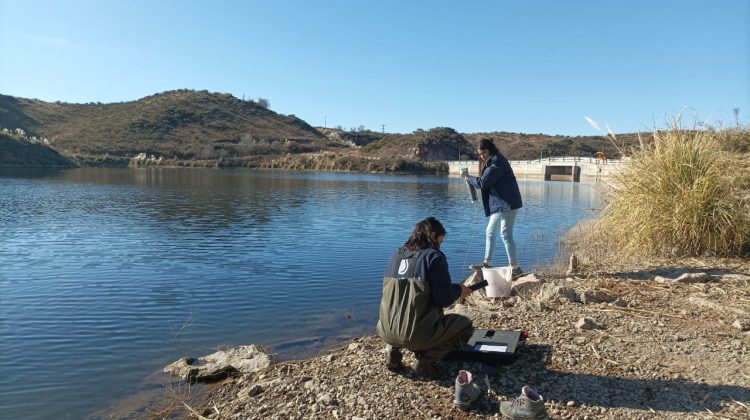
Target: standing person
point(501, 199)
point(416, 288)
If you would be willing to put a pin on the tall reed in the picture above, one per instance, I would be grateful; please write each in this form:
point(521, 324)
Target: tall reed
point(679, 196)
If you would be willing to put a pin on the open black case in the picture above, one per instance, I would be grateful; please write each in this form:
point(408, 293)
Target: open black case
point(492, 346)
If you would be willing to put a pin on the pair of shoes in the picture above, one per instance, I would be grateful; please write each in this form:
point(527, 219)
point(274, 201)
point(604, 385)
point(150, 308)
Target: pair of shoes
point(516, 273)
point(425, 368)
point(479, 266)
point(393, 358)
point(467, 391)
point(530, 405)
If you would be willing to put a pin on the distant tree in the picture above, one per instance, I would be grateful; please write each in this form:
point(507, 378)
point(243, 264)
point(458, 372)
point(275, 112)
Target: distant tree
point(264, 103)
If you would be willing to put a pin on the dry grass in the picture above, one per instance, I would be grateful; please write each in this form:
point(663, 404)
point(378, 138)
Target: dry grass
point(683, 195)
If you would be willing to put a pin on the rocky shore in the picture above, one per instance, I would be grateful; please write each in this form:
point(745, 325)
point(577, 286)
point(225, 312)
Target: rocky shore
point(663, 342)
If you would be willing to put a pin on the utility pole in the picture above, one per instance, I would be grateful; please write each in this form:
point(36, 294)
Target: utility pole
point(383, 125)
point(325, 122)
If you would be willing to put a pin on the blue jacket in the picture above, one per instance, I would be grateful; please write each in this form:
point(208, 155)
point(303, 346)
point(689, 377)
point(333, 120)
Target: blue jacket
point(498, 185)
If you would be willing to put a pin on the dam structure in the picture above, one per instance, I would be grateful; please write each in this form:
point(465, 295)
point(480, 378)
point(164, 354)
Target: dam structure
point(563, 168)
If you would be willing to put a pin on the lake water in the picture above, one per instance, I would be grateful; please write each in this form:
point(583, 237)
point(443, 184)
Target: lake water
point(107, 275)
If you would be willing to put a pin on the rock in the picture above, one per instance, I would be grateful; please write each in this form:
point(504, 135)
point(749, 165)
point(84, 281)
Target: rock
point(596, 296)
point(325, 399)
point(554, 292)
point(354, 346)
point(330, 358)
point(573, 264)
point(215, 366)
point(526, 284)
point(619, 302)
point(690, 278)
point(741, 325)
point(586, 324)
point(251, 391)
point(571, 403)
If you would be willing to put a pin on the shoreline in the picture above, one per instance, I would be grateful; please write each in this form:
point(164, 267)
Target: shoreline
point(661, 348)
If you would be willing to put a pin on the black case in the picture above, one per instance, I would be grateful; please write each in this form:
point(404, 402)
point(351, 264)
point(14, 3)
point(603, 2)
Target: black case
point(491, 346)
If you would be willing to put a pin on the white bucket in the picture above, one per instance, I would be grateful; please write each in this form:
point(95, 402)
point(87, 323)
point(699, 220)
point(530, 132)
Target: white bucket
point(499, 281)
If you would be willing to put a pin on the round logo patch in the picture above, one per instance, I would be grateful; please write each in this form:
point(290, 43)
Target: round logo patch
point(403, 267)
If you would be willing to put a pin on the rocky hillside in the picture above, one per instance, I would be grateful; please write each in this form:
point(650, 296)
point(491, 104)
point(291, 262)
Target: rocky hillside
point(200, 128)
point(181, 124)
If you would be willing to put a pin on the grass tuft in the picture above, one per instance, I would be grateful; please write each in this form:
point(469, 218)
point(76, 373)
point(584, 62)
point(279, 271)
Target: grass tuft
point(685, 194)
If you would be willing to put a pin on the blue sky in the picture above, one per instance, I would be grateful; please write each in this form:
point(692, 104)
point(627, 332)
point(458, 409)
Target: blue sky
point(523, 66)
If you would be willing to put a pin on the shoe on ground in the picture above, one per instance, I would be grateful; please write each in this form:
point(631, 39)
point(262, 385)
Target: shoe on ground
point(516, 273)
point(425, 369)
point(530, 405)
point(467, 391)
point(393, 358)
point(479, 266)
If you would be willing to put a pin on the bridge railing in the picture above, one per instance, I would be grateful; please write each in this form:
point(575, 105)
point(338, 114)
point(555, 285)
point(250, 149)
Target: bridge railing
point(550, 159)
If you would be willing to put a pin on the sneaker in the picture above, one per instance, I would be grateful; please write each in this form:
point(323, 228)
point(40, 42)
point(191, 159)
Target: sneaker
point(479, 266)
point(393, 358)
point(467, 391)
point(516, 273)
point(425, 369)
point(530, 405)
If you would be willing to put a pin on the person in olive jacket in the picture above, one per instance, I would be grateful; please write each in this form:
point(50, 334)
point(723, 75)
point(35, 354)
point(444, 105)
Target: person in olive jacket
point(501, 200)
point(416, 287)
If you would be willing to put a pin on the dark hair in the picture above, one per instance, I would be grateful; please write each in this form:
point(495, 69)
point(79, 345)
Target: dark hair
point(421, 237)
point(488, 145)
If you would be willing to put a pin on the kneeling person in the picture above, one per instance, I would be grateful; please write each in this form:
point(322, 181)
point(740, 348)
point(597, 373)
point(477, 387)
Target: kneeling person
point(416, 287)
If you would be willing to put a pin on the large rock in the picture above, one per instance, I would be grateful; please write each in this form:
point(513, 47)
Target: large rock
point(686, 278)
point(527, 284)
point(552, 292)
point(215, 366)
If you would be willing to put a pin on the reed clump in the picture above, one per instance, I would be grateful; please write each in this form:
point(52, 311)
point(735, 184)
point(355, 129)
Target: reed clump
point(684, 194)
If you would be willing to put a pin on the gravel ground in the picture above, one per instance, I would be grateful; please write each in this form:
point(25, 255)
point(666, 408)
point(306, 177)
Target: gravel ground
point(653, 347)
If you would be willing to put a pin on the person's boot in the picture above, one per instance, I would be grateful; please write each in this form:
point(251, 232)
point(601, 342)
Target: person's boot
point(530, 405)
point(425, 368)
point(467, 391)
point(393, 358)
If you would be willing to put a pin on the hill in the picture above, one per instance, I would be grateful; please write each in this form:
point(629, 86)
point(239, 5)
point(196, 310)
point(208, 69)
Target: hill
point(181, 124)
point(17, 151)
point(200, 128)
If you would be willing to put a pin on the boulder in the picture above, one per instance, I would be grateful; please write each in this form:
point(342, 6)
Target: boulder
point(686, 278)
point(526, 284)
point(216, 366)
point(551, 292)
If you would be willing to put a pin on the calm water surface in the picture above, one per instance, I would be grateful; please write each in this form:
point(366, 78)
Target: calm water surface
point(107, 275)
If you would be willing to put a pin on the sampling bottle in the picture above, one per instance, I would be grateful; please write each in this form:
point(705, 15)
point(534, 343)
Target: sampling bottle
point(472, 190)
